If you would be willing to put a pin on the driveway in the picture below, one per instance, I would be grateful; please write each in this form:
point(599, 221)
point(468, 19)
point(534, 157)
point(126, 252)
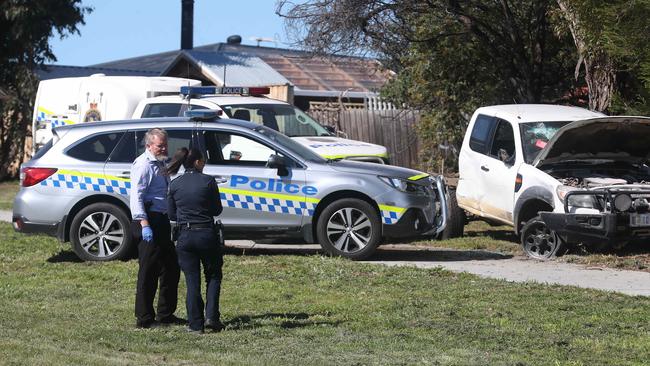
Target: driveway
point(481, 263)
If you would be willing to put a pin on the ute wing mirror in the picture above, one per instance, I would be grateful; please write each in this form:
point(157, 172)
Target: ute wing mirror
point(278, 162)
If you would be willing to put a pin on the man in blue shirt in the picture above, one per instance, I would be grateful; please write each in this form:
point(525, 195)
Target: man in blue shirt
point(156, 253)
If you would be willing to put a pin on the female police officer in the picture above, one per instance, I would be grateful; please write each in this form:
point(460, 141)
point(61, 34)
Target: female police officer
point(193, 201)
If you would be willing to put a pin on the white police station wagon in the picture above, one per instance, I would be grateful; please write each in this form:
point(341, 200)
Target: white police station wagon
point(76, 188)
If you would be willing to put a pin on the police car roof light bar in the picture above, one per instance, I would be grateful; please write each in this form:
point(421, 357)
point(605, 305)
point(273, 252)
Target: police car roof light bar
point(198, 90)
point(240, 90)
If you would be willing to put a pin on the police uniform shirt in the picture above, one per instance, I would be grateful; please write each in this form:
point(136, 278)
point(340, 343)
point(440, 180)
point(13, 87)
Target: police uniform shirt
point(148, 185)
point(194, 198)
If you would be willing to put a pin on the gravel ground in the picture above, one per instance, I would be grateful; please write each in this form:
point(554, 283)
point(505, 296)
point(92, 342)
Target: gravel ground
point(481, 263)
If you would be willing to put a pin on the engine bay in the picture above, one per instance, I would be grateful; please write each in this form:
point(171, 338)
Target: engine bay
point(602, 175)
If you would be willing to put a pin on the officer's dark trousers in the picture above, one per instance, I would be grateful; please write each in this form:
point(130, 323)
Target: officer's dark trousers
point(196, 246)
point(157, 260)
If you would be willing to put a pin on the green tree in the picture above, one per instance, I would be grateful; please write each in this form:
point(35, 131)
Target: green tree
point(614, 54)
point(25, 29)
point(450, 56)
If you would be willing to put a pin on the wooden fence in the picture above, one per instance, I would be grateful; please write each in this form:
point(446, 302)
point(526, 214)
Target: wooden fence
point(395, 129)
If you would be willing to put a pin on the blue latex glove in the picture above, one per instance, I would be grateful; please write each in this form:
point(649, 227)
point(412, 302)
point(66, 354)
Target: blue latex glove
point(147, 233)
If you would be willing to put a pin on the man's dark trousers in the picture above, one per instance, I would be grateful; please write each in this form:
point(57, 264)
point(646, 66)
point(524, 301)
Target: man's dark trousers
point(157, 260)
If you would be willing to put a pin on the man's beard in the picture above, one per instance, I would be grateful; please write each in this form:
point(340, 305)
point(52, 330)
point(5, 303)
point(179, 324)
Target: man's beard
point(162, 158)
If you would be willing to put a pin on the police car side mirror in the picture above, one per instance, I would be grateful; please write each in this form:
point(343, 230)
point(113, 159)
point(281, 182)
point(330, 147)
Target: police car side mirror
point(278, 162)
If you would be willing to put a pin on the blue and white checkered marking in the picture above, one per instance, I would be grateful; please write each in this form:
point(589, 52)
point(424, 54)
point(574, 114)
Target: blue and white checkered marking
point(87, 183)
point(267, 204)
point(45, 115)
point(391, 214)
point(389, 217)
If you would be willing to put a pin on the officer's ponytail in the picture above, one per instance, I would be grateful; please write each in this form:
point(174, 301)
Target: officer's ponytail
point(184, 157)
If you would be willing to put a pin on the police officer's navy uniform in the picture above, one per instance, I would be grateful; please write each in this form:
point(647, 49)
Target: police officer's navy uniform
point(157, 258)
point(193, 202)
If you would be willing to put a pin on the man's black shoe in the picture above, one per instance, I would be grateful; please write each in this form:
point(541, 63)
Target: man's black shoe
point(216, 326)
point(172, 319)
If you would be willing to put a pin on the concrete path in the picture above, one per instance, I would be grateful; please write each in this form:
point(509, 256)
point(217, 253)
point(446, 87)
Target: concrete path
point(481, 263)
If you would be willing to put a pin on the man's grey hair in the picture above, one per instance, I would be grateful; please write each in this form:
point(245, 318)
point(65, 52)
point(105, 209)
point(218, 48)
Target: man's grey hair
point(154, 132)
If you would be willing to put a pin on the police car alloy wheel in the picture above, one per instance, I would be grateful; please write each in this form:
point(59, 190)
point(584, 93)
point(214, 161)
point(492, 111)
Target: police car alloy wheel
point(349, 228)
point(101, 232)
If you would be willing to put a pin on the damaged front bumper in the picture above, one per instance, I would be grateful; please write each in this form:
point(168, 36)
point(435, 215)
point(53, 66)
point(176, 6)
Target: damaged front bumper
point(611, 225)
point(427, 216)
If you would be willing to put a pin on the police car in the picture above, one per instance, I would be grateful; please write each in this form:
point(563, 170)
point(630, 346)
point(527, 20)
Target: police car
point(249, 104)
point(77, 186)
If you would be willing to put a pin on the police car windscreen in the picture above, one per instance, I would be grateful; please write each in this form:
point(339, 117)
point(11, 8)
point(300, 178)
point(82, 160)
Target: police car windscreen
point(283, 118)
point(291, 145)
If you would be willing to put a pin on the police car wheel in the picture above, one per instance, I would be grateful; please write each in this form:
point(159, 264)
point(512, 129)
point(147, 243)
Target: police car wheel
point(101, 232)
point(349, 228)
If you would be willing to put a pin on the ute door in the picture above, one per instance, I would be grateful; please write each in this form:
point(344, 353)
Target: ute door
point(499, 170)
point(472, 164)
point(254, 196)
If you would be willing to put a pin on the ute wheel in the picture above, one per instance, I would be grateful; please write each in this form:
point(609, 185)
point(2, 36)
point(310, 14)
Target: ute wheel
point(101, 232)
point(539, 242)
point(349, 228)
point(456, 220)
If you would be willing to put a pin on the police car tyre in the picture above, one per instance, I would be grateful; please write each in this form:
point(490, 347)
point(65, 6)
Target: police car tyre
point(101, 232)
point(539, 242)
point(349, 228)
point(456, 219)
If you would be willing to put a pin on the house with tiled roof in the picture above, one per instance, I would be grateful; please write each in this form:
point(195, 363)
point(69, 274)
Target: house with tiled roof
point(295, 76)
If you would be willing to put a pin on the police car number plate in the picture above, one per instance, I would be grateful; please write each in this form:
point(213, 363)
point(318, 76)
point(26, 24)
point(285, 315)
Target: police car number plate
point(637, 220)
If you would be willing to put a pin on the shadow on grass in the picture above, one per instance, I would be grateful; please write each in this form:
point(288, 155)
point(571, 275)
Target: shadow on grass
point(280, 250)
point(69, 256)
point(387, 254)
point(434, 255)
point(64, 256)
point(289, 321)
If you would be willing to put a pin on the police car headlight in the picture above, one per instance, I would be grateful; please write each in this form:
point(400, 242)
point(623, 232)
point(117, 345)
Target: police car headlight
point(404, 185)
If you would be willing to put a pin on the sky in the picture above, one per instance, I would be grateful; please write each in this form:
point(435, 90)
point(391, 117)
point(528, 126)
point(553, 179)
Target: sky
point(119, 29)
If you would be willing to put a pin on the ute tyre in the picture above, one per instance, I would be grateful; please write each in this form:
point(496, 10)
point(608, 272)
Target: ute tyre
point(456, 221)
point(539, 242)
point(349, 228)
point(101, 232)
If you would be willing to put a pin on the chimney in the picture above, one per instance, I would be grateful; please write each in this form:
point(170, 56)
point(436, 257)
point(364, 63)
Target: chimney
point(187, 24)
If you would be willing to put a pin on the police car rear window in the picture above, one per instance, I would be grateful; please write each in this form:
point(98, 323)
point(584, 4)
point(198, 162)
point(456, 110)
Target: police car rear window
point(95, 148)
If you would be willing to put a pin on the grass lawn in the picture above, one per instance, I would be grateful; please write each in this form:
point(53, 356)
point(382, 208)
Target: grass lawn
point(288, 309)
point(8, 190)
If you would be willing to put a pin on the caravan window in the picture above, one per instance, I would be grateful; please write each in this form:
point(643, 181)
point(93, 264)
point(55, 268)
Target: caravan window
point(161, 110)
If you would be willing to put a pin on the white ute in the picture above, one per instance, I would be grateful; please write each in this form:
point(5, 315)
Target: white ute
point(556, 174)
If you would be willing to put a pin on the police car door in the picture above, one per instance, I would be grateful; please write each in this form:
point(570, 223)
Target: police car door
point(118, 166)
point(254, 197)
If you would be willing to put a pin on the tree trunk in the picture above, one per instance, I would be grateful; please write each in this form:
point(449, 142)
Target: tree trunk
point(600, 73)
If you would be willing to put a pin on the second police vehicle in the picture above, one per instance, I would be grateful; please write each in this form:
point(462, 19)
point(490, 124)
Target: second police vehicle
point(67, 101)
point(76, 188)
